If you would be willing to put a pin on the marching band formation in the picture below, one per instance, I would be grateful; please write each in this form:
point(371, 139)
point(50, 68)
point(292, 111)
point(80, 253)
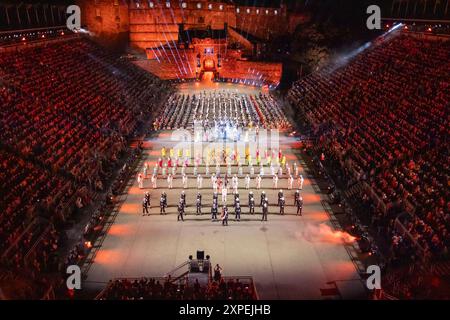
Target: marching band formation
point(225, 170)
point(213, 108)
point(218, 116)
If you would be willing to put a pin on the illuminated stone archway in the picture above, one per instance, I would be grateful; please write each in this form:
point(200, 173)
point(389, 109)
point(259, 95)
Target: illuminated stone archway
point(209, 64)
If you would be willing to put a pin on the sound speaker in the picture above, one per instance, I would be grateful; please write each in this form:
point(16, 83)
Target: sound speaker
point(200, 255)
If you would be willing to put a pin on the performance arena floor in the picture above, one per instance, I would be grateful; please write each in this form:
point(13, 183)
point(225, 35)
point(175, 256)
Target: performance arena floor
point(289, 257)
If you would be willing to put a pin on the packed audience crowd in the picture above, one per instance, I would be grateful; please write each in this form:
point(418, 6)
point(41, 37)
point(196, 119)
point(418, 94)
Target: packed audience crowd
point(67, 112)
point(154, 289)
point(385, 114)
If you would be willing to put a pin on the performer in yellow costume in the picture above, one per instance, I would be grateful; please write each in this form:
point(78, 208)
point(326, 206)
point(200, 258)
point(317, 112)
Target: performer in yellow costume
point(283, 161)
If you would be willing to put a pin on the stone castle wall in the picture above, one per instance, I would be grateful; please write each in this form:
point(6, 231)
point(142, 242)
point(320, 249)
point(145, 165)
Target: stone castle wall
point(155, 22)
point(152, 24)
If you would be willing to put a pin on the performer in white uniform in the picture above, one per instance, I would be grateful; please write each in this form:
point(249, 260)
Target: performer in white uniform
point(199, 181)
point(280, 171)
point(224, 194)
point(169, 181)
point(140, 180)
point(214, 182)
point(154, 179)
point(235, 183)
point(185, 181)
point(300, 181)
point(247, 182)
point(145, 169)
point(258, 182)
point(290, 182)
point(288, 169)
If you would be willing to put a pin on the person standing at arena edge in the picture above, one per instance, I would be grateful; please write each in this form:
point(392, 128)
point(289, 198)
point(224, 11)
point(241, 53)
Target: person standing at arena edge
point(217, 272)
